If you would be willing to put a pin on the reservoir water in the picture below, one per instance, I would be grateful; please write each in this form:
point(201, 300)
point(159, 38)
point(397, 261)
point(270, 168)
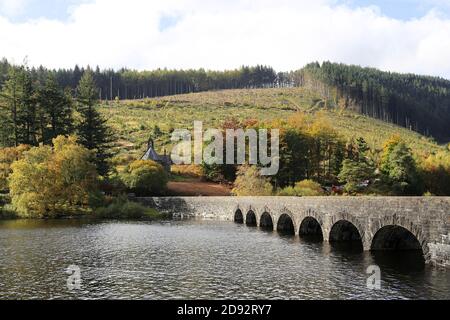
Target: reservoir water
point(197, 260)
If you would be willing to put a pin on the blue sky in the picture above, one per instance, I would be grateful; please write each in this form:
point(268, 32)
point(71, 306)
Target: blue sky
point(60, 9)
point(24, 10)
point(404, 9)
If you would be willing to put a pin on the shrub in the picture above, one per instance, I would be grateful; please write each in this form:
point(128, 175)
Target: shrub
point(7, 212)
point(4, 199)
point(124, 209)
point(145, 178)
point(113, 185)
point(250, 183)
point(191, 170)
point(122, 159)
point(305, 188)
point(50, 182)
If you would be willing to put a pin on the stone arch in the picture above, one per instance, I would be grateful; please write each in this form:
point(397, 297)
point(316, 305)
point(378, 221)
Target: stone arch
point(344, 230)
point(250, 219)
point(266, 221)
point(238, 216)
point(394, 237)
point(335, 218)
point(403, 227)
point(311, 229)
point(285, 224)
point(346, 235)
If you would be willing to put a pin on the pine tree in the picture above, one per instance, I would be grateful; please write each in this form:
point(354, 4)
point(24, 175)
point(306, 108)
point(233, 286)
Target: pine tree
point(55, 111)
point(9, 106)
point(18, 109)
point(401, 170)
point(358, 167)
point(92, 130)
point(27, 110)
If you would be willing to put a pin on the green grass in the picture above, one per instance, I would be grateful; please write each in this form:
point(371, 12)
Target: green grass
point(123, 209)
point(134, 121)
point(181, 178)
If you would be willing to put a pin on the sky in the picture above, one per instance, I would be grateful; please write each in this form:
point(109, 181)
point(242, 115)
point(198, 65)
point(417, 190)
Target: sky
point(400, 35)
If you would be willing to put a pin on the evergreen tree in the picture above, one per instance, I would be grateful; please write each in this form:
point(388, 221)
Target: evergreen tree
point(9, 104)
point(358, 167)
point(93, 131)
point(27, 110)
point(18, 112)
point(415, 102)
point(353, 173)
point(400, 168)
point(55, 111)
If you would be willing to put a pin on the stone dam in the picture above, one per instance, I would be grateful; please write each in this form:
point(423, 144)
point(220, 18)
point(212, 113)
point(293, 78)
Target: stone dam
point(378, 223)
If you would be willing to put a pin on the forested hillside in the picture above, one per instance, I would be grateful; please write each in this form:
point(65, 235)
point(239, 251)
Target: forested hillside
point(134, 120)
point(322, 140)
point(418, 103)
point(415, 102)
point(315, 141)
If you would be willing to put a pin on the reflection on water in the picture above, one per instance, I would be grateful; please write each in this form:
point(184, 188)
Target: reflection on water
point(312, 238)
point(347, 247)
point(197, 260)
point(400, 261)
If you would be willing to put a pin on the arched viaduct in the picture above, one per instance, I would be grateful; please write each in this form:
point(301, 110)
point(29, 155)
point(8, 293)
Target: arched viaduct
point(378, 223)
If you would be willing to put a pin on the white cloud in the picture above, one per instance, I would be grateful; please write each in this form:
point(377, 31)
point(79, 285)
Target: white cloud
point(226, 34)
point(12, 7)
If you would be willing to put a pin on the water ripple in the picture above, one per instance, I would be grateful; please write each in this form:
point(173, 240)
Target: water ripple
point(191, 260)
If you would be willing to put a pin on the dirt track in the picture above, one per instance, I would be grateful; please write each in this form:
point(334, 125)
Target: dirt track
point(197, 188)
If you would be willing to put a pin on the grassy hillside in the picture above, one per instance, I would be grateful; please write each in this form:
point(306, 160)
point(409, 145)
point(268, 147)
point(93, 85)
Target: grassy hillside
point(134, 121)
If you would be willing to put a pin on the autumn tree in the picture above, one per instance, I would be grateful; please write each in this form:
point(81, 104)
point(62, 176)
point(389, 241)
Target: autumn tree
point(249, 182)
point(50, 182)
point(7, 157)
point(310, 148)
point(305, 188)
point(145, 178)
point(436, 173)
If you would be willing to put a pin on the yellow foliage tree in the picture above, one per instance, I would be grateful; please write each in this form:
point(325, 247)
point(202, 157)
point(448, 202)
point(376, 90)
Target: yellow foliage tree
point(145, 178)
point(7, 157)
point(436, 173)
point(388, 147)
point(51, 182)
point(305, 188)
point(250, 183)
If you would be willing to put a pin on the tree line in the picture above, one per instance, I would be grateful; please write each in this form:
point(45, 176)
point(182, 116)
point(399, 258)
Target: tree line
point(35, 111)
point(131, 84)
